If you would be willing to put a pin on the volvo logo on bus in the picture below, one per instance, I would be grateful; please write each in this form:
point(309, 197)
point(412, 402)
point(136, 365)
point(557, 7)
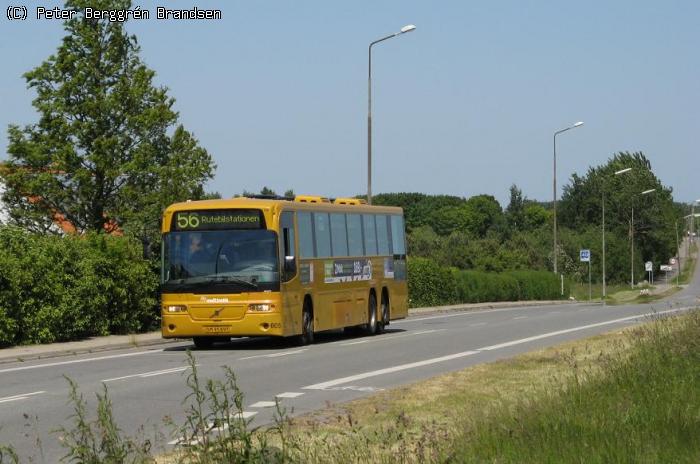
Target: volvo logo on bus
point(204, 299)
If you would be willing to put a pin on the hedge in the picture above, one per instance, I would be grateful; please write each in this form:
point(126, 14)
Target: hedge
point(430, 284)
point(59, 288)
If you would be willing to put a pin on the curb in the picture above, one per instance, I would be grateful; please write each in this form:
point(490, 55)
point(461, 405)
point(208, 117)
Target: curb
point(119, 342)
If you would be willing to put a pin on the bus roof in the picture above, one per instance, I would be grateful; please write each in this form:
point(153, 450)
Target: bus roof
point(277, 204)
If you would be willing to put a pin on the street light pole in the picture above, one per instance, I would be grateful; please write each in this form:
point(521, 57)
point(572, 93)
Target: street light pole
point(617, 173)
point(554, 188)
point(403, 30)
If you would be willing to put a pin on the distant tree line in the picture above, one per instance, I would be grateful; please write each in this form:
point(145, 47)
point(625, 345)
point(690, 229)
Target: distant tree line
point(477, 234)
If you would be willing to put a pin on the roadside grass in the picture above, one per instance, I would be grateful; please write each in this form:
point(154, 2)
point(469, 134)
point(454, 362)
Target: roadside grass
point(640, 406)
point(580, 290)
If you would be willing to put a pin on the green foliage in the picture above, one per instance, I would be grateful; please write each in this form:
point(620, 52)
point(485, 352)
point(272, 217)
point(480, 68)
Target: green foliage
point(63, 288)
point(654, 214)
point(99, 440)
point(430, 284)
point(215, 431)
point(102, 152)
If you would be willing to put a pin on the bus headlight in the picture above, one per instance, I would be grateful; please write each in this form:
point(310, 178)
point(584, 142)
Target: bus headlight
point(170, 309)
point(263, 307)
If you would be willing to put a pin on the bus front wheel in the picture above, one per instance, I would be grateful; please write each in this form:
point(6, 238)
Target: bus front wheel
point(203, 342)
point(307, 327)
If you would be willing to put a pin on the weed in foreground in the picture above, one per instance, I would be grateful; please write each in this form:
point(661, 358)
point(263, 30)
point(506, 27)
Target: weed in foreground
point(99, 441)
point(8, 455)
point(215, 430)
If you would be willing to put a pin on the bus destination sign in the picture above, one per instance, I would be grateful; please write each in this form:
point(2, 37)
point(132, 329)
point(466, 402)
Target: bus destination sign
point(218, 220)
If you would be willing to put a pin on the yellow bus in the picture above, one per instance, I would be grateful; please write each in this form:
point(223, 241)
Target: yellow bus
point(280, 267)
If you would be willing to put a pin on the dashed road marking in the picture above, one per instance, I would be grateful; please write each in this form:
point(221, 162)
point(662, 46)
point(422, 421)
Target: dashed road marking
point(274, 355)
point(263, 404)
point(392, 337)
point(150, 374)
point(289, 395)
point(21, 396)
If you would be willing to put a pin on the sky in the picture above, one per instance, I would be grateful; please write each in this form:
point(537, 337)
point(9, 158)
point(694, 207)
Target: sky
point(466, 104)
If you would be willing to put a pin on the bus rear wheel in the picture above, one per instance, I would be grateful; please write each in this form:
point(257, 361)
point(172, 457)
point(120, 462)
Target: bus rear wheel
point(381, 326)
point(371, 326)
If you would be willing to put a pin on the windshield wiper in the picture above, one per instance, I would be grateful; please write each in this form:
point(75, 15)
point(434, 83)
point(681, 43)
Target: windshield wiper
point(231, 279)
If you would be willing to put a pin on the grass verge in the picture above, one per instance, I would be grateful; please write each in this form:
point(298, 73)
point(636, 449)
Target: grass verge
point(626, 396)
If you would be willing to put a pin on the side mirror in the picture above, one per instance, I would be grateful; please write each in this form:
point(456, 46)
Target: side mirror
point(290, 265)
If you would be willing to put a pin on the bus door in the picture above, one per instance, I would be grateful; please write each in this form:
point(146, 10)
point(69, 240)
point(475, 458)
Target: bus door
point(290, 290)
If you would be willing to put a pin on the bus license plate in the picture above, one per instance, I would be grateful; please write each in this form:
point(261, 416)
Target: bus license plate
point(218, 329)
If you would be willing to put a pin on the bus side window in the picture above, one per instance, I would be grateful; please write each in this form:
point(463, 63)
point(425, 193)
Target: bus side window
point(397, 236)
point(287, 246)
point(383, 237)
point(370, 234)
point(306, 237)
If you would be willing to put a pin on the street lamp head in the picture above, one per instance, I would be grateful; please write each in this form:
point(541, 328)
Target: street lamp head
point(646, 192)
point(622, 171)
point(580, 123)
point(407, 28)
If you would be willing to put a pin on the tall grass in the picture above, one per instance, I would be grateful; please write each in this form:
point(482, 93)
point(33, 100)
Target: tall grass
point(641, 407)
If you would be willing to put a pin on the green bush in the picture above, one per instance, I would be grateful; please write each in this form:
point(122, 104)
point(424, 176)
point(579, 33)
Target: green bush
point(56, 288)
point(430, 284)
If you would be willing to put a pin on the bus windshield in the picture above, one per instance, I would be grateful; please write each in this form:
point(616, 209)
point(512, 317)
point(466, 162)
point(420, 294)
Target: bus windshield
point(220, 261)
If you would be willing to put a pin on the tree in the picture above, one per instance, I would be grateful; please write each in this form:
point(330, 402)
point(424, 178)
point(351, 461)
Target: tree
point(515, 212)
point(107, 150)
point(654, 214)
point(267, 191)
point(289, 193)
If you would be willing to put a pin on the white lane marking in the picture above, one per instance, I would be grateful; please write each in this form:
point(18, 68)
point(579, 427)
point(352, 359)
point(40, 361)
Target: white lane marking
point(263, 404)
point(391, 337)
point(22, 396)
point(289, 395)
point(477, 324)
point(520, 317)
point(274, 355)
point(150, 374)
point(76, 361)
point(355, 343)
point(573, 329)
point(388, 370)
point(475, 313)
point(244, 415)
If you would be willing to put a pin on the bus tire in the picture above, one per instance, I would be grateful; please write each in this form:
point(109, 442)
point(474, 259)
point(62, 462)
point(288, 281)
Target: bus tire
point(307, 326)
point(384, 310)
point(203, 343)
point(371, 327)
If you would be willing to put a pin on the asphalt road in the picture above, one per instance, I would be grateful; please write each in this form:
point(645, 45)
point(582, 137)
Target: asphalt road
point(146, 385)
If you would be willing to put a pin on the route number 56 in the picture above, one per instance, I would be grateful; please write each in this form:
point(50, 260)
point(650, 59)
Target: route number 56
point(185, 221)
